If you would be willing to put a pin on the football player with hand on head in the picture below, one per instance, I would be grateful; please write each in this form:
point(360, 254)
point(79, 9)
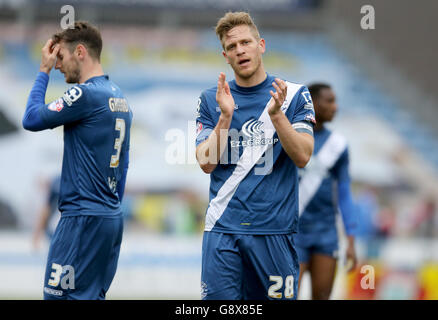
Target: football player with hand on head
point(84, 250)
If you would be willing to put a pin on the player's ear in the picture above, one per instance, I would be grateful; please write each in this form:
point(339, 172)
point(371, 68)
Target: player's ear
point(262, 45)
point(81, 51)
point(226, 57)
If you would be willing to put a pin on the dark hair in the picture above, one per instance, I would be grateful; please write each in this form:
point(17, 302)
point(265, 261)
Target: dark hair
point(84, 33)
point(315, 89)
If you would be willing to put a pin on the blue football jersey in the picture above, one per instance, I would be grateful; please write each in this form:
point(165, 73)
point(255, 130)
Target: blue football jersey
point(320, 212)
point(97, 121)
point(254, 188)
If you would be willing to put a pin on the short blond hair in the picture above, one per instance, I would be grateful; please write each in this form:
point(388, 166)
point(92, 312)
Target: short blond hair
point(234, 19)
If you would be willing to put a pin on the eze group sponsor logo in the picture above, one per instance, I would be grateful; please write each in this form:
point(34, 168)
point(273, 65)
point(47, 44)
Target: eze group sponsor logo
point(252, 127)
point(252, 133)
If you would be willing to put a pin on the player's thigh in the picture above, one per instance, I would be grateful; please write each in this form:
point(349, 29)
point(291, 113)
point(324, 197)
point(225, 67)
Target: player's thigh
point(221, 275)
point(322, 269)
point(112, 255)
point(59, 259)
point(99, 254)
point(303, 268)
point(80, 254)
point(303, 258)
point(271, 267)
point(322, 264)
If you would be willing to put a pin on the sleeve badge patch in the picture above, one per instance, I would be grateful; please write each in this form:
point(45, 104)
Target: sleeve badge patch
point(199, 128)
point(310, 117)
point(72, 95)
point(56, 105)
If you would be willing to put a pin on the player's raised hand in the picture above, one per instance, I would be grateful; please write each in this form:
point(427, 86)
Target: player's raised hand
point(48, 56)
point(224, 97)
point(278, 96)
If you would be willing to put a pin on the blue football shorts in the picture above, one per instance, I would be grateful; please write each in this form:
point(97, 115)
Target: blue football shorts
point(83, 256)
point(323, 242)
point(248, 267)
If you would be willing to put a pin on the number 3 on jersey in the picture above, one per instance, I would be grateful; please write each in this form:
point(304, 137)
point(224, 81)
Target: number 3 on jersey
point(120, 126)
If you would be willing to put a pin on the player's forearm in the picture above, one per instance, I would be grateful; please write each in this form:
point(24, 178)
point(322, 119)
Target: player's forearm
point(298, 146)
point(346, 207)
point(44, 219)
point(32, 120)
point(210, 151)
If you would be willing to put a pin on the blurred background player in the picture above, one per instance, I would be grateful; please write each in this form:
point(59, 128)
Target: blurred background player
point(84, 250)
point(248, 250)
point(324, 185)
point(48, 217)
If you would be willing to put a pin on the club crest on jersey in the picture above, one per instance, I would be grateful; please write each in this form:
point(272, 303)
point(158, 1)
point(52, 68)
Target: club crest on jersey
point(56, 105)
point(72, 95)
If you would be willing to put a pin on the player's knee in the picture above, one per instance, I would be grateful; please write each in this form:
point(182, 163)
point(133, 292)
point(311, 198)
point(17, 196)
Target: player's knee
point(323, 294)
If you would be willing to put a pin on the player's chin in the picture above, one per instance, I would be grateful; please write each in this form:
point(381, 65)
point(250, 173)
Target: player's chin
point(245, 73)
point(69, 79)
point(332, 115)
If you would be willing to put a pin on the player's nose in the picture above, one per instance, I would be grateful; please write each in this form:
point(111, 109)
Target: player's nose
point(240, 49)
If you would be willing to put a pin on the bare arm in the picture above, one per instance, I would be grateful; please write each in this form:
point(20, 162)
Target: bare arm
point(41, 225)
point(210, 151)
point(298, 145)
point(351, 257)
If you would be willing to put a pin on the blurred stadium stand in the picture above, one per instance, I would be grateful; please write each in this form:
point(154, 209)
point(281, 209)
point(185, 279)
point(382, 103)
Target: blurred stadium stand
point(400, 56)
point(159, 50)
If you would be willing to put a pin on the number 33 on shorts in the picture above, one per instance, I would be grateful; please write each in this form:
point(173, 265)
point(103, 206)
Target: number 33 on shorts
point(288, 287)
point(68, 280)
